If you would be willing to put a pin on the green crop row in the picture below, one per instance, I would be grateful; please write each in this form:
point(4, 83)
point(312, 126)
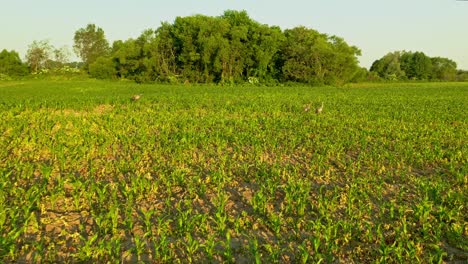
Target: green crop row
point(233, 174)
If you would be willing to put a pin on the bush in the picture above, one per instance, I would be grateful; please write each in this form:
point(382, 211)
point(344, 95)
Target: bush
point(11, 65)
point(4, 77)
point(103, 68)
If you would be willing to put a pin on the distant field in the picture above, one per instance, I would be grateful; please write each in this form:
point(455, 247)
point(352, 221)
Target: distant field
point(233, 174)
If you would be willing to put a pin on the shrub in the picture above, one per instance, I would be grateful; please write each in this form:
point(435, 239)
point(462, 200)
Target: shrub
point(103, 68)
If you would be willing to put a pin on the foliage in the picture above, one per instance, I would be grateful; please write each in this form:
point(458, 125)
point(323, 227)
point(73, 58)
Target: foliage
point(208, 174)
point(11, 64)
point(302, 55)
point(90, 44)
point(417, 66)
point(60, 58)
point(231, 49)
point(160, 54)
point(38, 55)
point(44, 58)
point(310, 57)
point(389, 67)
point(403, 65)
point(127, 56)
point(462, 76)
point(361, 75)
point(103, 68)
point(443, 69)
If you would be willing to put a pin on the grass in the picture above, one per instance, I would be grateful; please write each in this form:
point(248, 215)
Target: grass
point(233, 174)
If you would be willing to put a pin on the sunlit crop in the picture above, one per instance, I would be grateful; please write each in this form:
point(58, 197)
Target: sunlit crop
point(233, 174)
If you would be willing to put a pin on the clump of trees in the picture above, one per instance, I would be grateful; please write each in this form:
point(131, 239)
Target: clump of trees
point(90, 44)
point(230, 48)
point(11, 65)
point(41, 58)
point(407, 65)
point(309, 56)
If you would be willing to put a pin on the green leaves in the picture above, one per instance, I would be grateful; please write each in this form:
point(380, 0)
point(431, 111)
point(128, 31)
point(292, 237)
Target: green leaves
point(228, 49)
point(11, 64)
point(90, 43)
point(407, 65)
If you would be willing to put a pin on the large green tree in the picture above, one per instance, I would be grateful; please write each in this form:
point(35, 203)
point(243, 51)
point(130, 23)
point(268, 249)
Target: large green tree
point(128, 58)
point(159, 54)
point(443, 69)
point(103, 68)
point(303, 55)
point(213, 46)
point(416, 65)
point(253, 48)
point(11, 64)
point(185, 34)
point(90, 43)
point(265, 43)
point(228, 48)
point(342, 64)
point(388, 67)
point(238, 58)
point(201, 47)
point(312, 57)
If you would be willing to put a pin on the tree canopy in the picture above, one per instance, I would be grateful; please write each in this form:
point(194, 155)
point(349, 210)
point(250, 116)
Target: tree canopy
point(233, 48)
point(407, 65)
point(312, 57)
point(11, 64)
point(90, 44)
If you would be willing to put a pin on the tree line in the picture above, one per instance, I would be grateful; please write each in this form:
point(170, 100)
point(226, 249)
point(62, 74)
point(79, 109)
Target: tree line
point(407, 65)
point(41, 57)
point(226, 49)
point(230, 48)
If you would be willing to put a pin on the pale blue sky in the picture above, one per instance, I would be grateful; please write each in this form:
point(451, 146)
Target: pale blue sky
point(436, 27)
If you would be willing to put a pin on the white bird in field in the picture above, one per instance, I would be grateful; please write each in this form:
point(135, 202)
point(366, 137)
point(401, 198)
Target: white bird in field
point(136, 97)
point(306, 108)
point(319, 110)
